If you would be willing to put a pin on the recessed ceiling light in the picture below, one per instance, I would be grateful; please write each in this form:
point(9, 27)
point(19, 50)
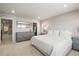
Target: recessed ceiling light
point(38, 17)
point(65, 5)
point(13, 11)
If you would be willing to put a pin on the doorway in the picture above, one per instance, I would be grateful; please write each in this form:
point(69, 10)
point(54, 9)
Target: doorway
point(35, 28)
point(6, 31)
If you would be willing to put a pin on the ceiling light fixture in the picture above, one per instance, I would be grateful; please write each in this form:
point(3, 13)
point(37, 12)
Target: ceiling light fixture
point(13, 11)
point(38, 17)
point(65, 5)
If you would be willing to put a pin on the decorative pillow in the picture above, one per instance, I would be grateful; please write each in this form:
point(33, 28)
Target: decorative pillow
point(53, 34)
point(50, 32)
point(56, 33)
point(65, 34)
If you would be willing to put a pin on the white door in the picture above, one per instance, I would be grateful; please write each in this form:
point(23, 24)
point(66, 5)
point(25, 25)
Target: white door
point(0, 29)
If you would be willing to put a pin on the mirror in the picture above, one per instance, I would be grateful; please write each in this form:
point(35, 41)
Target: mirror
point(24, 26)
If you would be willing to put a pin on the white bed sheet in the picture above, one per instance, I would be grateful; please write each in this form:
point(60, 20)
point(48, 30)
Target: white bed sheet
point(42, 43)
point(62, 48)
point(51, 47)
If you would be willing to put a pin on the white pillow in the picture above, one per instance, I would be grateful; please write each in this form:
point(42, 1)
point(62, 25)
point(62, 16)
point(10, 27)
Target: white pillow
point(56, 33)
point(65, 34)
point(53, 34)
point(50, 33)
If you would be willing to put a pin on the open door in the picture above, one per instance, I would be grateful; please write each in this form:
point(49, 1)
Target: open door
point(35, 28)
point(0, 29)
point(6, 31)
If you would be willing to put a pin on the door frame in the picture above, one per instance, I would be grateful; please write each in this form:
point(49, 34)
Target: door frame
point(2, 28)
point(13, 27)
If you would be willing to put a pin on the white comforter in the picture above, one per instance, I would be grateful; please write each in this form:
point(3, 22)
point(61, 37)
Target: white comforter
point(52, 47)
point(42, 43)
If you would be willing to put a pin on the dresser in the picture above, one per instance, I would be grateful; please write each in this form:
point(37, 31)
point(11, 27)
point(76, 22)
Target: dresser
point(23, 36)
point(75, 43)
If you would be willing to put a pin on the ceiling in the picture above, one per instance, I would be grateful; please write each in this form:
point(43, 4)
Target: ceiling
point(35, 10)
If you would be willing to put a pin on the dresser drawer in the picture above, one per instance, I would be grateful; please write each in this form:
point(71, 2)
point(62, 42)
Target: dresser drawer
point(75, 43)
point(22, 36)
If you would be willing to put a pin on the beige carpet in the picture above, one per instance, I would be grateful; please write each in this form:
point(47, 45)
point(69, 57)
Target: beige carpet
point(19, 49)
point(7, 48)
point(6, 38)
point(24, 49)
point(73, 53)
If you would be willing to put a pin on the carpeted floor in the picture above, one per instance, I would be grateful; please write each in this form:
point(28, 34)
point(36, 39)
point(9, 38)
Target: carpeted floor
point(24, 49)
point(7, 48)
point(19, 49)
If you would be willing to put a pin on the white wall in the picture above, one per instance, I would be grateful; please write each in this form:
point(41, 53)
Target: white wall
point(68, 21)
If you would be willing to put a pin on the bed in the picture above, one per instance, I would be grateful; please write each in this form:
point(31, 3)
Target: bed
point(52, 47)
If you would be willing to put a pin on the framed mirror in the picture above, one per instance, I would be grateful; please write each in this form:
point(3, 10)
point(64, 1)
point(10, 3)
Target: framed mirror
point(24, 26)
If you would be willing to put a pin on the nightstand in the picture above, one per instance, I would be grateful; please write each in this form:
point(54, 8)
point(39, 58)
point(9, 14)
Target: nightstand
point(75, 43)
point(43, 33)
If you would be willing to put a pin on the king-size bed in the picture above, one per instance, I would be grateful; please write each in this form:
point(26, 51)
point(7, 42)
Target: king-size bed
point(55, 46)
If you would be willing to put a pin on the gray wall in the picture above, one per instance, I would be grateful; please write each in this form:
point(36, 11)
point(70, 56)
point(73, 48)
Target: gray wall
point(67, 21)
